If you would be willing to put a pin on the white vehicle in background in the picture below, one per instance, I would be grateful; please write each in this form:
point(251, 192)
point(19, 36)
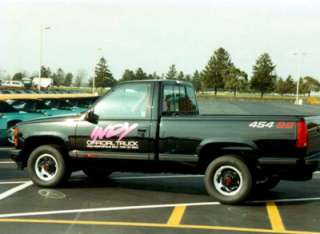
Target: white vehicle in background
point(42, 82)
point(12, 83)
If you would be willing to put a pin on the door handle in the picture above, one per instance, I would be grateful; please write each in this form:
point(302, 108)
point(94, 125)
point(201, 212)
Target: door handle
point(142, 131)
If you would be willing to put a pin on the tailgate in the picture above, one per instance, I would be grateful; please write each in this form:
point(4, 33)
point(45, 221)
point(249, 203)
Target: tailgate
point(313, 124)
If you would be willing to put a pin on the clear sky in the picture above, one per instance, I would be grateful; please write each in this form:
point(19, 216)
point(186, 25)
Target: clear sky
point(155, 34)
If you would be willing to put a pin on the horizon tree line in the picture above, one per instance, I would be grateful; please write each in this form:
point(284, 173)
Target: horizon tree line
point(220, 74)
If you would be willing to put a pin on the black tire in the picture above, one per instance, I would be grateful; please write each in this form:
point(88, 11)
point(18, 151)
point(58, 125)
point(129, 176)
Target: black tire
point(43, 155)
point(96, 173)
point(267, 184)
point(235, 172)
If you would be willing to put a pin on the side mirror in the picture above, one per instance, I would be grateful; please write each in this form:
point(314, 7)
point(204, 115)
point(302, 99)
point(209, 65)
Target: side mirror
point(91, 117)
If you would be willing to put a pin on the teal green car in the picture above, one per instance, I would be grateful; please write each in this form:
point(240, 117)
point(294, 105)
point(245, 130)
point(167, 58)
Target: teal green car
point(9, 116)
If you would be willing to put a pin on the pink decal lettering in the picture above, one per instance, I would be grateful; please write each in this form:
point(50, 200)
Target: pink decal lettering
point(121, 130)
point(127, 130)
point(114, 130)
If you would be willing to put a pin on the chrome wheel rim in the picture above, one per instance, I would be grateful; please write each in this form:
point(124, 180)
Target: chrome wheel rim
point(228, 180)
point(46, 167)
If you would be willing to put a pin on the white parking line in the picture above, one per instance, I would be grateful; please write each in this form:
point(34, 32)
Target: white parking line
point(6, 162)
point(13, 182)
point(304, 199)
point(6, 148)
point(15, 190)
point(106, 209)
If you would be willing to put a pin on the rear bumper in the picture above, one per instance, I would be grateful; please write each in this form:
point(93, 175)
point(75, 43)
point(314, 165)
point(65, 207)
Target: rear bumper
point(16, 155)
point(291, 168)
point(310, 161)
point(313, 160)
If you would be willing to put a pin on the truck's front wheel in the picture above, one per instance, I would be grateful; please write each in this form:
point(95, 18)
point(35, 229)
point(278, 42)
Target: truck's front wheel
point(228, 179)
point(47, 166)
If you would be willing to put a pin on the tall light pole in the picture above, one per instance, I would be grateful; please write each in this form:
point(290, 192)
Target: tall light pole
point(299, 61)
point(41, 53)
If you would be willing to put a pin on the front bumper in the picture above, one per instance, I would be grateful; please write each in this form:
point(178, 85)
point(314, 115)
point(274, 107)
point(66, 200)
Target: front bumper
point(16, 155)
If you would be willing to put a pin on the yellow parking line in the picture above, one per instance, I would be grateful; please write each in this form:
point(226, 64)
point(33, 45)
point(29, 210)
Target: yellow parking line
point(176, 215)
point(275, 217)
point(158, 225)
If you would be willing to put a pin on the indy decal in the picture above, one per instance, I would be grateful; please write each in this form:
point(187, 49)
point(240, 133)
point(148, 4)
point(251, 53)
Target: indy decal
point(99, 137)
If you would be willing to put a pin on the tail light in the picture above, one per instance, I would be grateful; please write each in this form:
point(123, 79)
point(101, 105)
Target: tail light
point(302, 134)
point(16, 136)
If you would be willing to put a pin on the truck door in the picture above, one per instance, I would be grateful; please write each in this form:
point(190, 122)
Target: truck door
point(123, 125)
point(178, 105)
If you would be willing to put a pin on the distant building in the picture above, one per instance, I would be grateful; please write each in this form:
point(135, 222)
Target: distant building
point(43, 82)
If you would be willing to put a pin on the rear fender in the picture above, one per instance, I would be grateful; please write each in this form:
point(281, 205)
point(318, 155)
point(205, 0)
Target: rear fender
point(226, 144)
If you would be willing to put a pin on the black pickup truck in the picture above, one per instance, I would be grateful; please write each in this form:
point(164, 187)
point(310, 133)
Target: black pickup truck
point(155, 126)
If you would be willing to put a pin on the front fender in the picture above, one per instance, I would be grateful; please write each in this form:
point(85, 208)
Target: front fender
point(46, 134)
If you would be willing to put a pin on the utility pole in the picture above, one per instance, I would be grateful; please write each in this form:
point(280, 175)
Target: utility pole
point(41, 53)
point(299, 61)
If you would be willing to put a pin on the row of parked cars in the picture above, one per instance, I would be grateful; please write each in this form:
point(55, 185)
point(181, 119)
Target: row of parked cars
point(36, 91)
point(16, 110)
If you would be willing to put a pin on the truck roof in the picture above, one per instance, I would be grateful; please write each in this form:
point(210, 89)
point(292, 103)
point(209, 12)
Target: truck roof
point(159, 81)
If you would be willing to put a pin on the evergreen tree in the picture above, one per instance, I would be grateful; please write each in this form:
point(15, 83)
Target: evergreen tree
point(128, 75)
point(68, 79)
point(188, 78)
point(309, 84)
point(18, 76)
point(140, 74)
point(80, 78)
point(180, 76)
point(172, 74)
point(103, 76)
point(263, 79)
point(45, 72)
point(196, 81)
point(58, 77)
point(217, 68)
point(235, 80)
point(291, 86)
point(280, 86)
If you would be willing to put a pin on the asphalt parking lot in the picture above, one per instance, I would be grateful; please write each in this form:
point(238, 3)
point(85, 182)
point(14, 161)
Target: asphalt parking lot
point(145, 203)
point(156, 203)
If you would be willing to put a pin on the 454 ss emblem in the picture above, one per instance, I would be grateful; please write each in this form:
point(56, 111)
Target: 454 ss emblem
point(261, 124)
point(271, 124)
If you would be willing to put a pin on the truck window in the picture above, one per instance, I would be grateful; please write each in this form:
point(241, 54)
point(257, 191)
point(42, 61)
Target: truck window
point(178, 99)
point(127, 101)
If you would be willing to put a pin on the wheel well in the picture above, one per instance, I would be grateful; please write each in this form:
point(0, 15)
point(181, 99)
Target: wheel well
point(31, 143)
point(11, 123)
point(212, 151)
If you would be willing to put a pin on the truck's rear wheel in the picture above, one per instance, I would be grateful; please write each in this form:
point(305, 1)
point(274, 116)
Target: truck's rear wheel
point(47, 166)
point(228, 179)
